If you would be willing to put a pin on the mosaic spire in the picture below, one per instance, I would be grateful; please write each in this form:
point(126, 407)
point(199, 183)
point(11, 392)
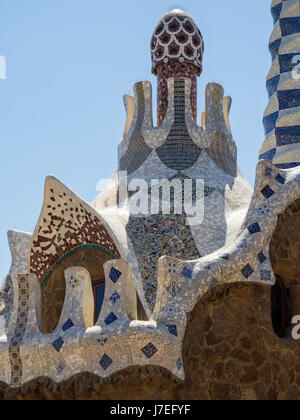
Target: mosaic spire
point(282, 115)
point(176, 51)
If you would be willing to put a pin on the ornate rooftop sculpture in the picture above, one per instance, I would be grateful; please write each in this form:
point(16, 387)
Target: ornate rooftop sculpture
point(100, 287)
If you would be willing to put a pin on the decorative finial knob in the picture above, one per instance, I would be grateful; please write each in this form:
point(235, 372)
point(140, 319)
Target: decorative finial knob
point(177, 38)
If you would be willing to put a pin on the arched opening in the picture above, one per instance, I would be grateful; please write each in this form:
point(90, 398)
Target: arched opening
point(91, 257)
point(279, 307)
point(98, 292)
point(285, 254)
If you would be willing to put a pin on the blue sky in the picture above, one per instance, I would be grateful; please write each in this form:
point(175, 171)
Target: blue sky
point(68, 64)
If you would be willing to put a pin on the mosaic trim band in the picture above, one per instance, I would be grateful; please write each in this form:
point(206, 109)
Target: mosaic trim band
point(21, 321)
point(72, 251)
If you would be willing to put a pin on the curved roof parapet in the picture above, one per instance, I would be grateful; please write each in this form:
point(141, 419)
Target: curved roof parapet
point(19, 244)
point(67, 222)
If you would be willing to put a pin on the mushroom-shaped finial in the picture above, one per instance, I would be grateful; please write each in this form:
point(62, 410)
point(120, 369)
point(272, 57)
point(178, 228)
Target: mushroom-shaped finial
point(177, 38)
point(176, 51)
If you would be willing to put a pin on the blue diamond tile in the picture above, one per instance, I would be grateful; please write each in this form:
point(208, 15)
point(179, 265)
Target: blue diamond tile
point(261, 257)
point(254, 228)
point(172, 330)
point(186, 272)
point(115, 297)
point(114, 275)
point(105, 362)
point(149, 350)
point(247, 271)
point(179, 363)
point(268, 172)
point(279, 178)
point(110, 319)
point(267, 192)
point(265, 275)
point(57, 344)
point(67, 325)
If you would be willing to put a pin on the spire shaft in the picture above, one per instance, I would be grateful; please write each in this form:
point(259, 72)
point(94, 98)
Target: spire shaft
point(282, 115)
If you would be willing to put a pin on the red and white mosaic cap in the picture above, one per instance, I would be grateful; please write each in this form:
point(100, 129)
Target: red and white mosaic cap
point(177, 38)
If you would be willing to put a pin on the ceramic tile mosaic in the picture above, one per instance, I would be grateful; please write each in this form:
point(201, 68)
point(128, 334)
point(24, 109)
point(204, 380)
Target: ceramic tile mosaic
point(174, 69)
point(66, 222)
point(19, 243)
point(167, 260)
point(177, 36)
point(7, 300)
point(217, 173)
point(137, 149)
point(281, 119)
